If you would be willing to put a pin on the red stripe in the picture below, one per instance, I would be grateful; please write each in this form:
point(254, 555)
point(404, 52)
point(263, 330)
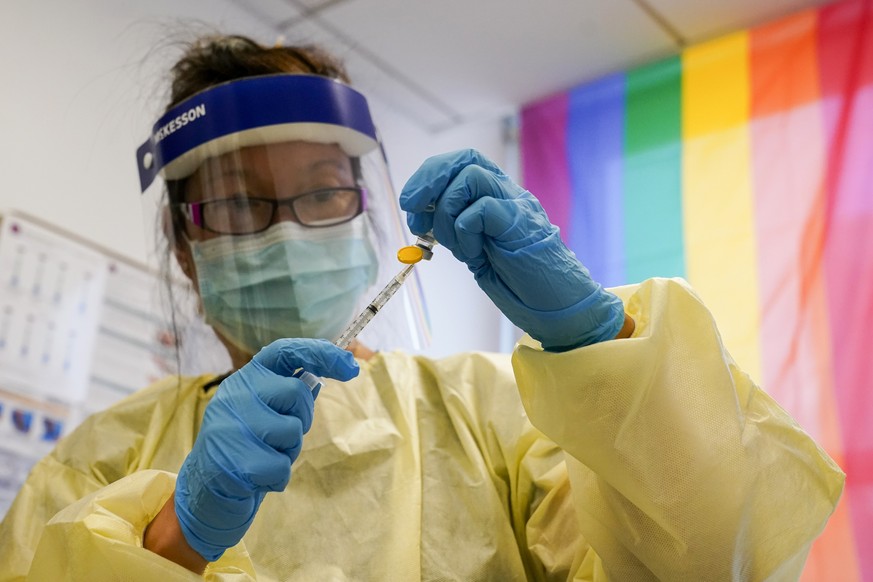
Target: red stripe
point(846, 58)
point(789, 165)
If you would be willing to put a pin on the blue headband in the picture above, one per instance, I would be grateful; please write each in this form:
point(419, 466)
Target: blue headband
point(254, 111)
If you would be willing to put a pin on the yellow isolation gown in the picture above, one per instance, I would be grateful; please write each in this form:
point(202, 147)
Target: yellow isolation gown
point(646, 458)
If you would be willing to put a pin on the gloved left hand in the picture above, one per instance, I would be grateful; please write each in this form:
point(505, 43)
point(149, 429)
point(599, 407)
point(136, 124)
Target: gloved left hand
point(503, 235)
point(251, 434)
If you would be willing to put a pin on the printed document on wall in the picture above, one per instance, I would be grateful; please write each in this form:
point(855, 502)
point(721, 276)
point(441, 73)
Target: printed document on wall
point(51, 292)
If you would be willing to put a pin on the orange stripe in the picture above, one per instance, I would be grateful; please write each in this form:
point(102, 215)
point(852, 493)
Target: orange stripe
point(784, 71)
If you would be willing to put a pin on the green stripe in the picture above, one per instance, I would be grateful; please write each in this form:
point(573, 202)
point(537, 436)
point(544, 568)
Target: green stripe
point(652, 172)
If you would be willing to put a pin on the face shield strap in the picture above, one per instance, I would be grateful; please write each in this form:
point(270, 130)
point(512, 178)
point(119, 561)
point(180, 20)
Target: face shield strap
point(255, 111)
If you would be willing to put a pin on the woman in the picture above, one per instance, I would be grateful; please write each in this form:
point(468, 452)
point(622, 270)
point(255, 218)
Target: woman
point(621, 442)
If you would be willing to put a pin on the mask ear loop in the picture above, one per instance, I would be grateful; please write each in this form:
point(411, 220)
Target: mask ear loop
point(176, 234)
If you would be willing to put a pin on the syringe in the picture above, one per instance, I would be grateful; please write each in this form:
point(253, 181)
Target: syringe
point(422, 250)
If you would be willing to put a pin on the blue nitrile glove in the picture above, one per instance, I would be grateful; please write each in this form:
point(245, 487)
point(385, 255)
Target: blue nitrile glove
point(503, 235)
point(252, 431)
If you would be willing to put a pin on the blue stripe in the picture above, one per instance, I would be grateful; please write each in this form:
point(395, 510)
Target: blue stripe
point(255, 102)
point(595, 143)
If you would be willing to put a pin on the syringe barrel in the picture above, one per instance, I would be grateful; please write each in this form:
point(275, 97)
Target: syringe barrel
point(360, 322)
point(387, 293)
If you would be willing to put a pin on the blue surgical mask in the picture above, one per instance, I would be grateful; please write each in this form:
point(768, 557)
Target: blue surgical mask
point(289, 281)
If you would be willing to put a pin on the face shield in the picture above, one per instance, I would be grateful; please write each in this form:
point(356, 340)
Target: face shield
point(278, 206)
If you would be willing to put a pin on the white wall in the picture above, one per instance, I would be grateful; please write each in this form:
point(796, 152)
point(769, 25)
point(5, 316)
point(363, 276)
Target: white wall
point(81, 87)
point(462, 317)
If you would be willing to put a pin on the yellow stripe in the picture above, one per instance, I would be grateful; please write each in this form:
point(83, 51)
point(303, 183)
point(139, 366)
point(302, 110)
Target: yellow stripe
point(718, 202)
point(715, 86)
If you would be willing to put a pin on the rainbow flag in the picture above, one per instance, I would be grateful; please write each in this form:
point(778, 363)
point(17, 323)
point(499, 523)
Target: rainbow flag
point(745, 165)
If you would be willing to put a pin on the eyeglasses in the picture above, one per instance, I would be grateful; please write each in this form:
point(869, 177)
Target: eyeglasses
point(243, 215)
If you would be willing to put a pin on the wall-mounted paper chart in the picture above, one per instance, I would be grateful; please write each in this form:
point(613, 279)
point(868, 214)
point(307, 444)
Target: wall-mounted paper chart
point(51, 294)
point(80, 329)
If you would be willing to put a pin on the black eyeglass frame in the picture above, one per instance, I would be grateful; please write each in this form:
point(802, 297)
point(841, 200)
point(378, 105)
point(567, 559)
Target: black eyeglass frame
point(193, 211)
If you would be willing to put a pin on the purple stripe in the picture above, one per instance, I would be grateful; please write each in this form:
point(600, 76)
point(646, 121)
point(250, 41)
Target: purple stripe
point(544, 158)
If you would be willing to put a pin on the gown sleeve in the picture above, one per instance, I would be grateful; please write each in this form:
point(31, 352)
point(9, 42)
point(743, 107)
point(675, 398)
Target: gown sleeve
point(680, 467)
point(82, 511)
point(99, 537)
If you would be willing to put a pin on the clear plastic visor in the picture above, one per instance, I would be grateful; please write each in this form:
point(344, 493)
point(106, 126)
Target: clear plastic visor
point(286, 237)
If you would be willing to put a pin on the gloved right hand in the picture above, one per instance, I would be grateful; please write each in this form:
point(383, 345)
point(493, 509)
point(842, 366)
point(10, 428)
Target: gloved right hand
point(251, 434)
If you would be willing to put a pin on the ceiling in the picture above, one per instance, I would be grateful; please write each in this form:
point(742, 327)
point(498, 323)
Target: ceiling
point(449, 62)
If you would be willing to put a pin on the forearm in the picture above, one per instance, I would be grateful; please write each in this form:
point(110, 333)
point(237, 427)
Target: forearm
point(164, 537)
point(627, 328)
point(104, 531)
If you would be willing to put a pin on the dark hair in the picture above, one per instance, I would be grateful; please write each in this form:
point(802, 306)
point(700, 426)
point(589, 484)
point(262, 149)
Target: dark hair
point(217, 59)
point(213, 60)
